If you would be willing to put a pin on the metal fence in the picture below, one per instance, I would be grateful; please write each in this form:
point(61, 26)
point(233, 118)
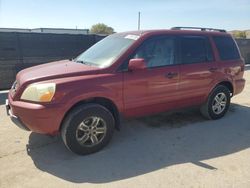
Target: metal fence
point(22, 50)
point(244, 45)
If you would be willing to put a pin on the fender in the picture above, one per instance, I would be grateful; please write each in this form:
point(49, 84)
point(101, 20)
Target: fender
point(108, 86)
point(72, 98)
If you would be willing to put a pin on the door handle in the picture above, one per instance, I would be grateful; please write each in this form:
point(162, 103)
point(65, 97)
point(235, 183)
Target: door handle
point(171, 75)
point(213, 69)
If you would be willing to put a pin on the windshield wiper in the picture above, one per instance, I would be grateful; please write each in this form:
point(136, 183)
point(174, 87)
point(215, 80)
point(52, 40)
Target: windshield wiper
point(83, 62)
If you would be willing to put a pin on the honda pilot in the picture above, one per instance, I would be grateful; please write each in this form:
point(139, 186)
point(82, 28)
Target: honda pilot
point(127, 75)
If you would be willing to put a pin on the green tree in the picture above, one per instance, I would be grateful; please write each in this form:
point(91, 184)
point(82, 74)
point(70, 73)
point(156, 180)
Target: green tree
point(101, 28)
point(240, 34)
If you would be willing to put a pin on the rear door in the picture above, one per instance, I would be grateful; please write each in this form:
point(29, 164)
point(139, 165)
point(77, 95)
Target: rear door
point(198, 69)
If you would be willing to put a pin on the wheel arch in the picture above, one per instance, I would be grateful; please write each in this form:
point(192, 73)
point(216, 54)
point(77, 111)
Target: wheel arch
point(107, 103)
point(227, 84)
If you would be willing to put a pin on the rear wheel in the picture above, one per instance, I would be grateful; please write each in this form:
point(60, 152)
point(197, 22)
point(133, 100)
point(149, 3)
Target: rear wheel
point(217, 104)
point(87, 129)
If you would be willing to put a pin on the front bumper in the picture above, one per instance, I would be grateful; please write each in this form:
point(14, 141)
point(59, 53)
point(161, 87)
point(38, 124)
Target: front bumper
point(14, 118)
point(44, 119)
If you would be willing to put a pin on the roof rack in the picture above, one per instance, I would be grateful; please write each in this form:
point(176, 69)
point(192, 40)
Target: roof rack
point(199, 28)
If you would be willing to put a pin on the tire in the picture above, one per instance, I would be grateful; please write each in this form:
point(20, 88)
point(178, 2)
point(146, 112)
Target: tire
point(80, 127)
point(208, 110)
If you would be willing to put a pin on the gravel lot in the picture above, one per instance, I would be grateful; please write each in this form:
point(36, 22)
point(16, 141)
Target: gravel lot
point(166, 150)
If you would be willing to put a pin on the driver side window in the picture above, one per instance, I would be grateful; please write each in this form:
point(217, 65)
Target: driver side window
point(157, 52)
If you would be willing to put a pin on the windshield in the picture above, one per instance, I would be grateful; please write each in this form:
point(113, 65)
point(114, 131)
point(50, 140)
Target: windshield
point(103, 53)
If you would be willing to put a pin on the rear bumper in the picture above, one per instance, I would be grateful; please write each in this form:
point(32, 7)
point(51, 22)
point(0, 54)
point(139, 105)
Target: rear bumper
point(239, 86)
point(37, 118)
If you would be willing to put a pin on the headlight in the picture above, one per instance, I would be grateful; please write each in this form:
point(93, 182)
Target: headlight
point(39, 92)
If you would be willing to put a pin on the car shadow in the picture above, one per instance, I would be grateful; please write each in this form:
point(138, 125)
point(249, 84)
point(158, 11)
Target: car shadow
point(147, 144)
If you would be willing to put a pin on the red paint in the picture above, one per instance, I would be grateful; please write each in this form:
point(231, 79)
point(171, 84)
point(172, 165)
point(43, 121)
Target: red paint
point(139, 91)
point(137, 64)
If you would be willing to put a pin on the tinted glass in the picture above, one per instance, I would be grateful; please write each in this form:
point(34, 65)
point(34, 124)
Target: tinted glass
point(210, 55)
point(195, 50)
point(157, 52)
point(226, 47)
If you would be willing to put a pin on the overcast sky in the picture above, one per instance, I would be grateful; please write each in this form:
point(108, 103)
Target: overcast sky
point(122, 15)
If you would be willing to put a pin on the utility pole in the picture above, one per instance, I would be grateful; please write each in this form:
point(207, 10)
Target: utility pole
point(139, 20)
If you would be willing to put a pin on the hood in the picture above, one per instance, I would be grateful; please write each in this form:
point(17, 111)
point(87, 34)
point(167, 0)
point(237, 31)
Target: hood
point(54, 70)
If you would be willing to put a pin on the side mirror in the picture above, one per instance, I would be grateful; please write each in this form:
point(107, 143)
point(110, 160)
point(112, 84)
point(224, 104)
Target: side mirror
point(136, 64)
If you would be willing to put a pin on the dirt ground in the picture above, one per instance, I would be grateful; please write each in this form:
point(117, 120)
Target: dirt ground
point(178, 149)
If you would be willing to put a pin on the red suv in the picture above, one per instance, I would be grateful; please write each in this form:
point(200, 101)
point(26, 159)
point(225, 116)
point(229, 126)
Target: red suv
point(127, 75)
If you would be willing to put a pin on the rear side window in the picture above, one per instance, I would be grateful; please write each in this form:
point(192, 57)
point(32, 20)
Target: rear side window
point(195, 49)
point(226, 47)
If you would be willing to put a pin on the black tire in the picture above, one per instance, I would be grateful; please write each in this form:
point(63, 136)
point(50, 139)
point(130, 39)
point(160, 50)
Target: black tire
point(207, 108)
point(71, 124)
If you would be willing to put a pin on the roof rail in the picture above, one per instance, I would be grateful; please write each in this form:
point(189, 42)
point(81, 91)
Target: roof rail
point(199, 28)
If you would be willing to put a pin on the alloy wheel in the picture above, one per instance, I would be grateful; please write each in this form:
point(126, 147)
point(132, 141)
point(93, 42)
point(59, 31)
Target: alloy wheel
point(91, 131)
point(219, 103)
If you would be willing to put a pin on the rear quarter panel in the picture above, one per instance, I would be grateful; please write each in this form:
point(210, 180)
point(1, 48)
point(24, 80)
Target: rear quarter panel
point(230, 70)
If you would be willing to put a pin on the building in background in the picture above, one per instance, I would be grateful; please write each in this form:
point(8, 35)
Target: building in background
point(61, 31)
point(47, 30)
point(15, 30)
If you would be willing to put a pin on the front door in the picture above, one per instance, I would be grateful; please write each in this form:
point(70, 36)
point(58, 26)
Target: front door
point(153, 89)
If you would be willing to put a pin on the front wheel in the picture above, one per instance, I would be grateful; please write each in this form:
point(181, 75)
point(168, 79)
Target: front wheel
point(87, 129)
point(217, 103)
